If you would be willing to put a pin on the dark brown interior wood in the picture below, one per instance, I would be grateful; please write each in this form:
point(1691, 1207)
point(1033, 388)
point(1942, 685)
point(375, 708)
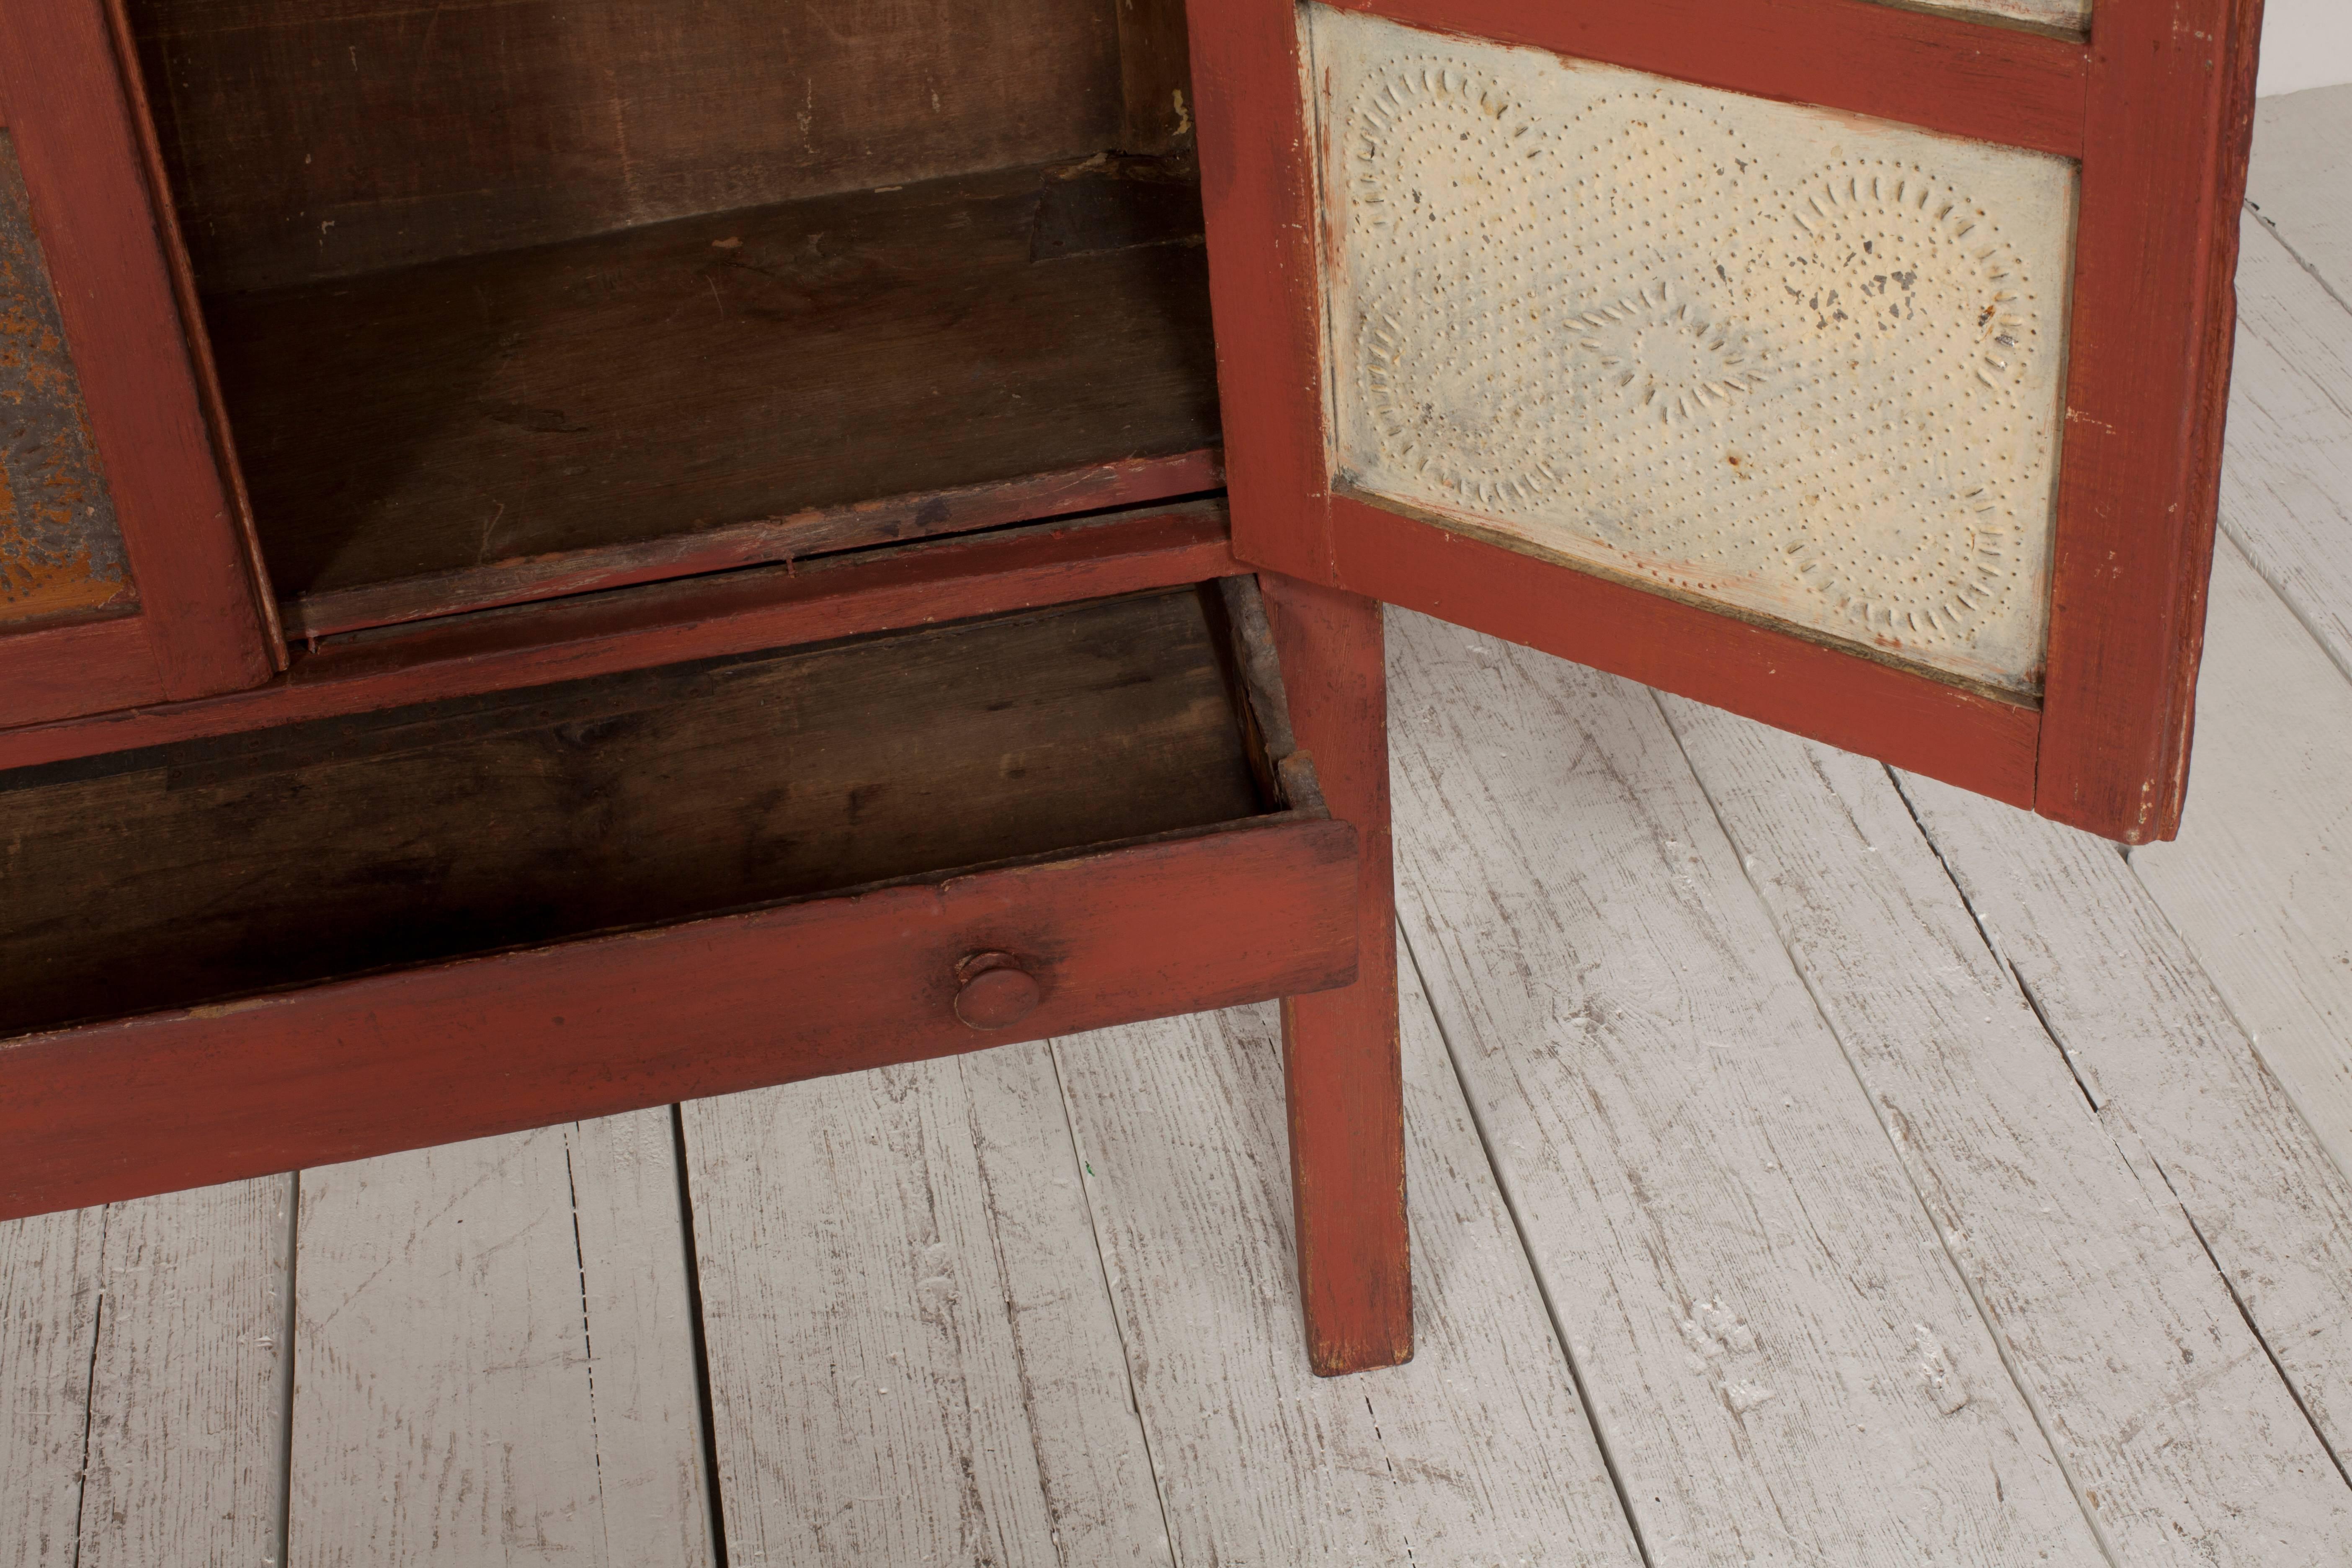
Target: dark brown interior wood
point(312, 139)
point(515, 298)
point(180, 875)
point(612, 395)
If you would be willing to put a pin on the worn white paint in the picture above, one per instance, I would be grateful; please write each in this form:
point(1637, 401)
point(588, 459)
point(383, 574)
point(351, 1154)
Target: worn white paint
point(188, 1389)
point(2170, 1070)
point(140, 1367)
point(1797, 363)
point(2287, 484)
point(2180, 1439)
point(1779, 1355)
point(628, 1202)
point(446, 1406)
point(2301, 179)
point(2259, 881)
point(49, 1270)
point(1476, 1451)
point(912, 1359)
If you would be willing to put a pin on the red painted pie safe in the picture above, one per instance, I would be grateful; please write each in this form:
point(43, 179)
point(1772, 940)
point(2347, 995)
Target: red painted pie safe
point(559, 557)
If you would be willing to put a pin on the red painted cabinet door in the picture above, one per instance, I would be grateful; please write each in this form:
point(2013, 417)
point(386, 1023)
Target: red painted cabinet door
point(1856, 367)
point(126, 572)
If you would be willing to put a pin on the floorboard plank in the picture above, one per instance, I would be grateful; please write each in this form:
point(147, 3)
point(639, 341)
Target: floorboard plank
point(2184, 1444)
point(187, 1435)
point(2158, 1053)
point(142, 1417)
point(1781, 1360)
point(2286, 483)
point(628, 1199)
point(2259, 881)
point(1476, 1451)
point(2301, 181)
point(49, 1271)
point(911, 1356)
point(447, 1404)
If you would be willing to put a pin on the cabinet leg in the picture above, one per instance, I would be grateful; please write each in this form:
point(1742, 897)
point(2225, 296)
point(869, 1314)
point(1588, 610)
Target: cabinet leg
point(1341, 1065)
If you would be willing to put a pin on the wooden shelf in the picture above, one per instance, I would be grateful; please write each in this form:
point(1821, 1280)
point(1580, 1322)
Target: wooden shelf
point(745, 386)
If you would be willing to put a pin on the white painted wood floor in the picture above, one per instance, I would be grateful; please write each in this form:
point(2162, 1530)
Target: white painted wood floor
point(1810, 1165)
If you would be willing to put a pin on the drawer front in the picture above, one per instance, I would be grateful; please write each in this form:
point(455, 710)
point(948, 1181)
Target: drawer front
point(600, 1024)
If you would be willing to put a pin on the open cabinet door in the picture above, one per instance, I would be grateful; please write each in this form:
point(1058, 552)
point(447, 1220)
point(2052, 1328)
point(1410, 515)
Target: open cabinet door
point(126, 572)
point(1858, 368)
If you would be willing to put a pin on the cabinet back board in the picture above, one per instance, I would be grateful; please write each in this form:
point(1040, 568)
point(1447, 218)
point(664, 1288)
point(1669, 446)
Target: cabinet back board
point(318, 140)
point(1855, 367)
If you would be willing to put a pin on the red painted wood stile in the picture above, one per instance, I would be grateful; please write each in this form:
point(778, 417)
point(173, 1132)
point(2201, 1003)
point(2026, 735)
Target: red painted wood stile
point(2154, 108)
point(1342, 1064)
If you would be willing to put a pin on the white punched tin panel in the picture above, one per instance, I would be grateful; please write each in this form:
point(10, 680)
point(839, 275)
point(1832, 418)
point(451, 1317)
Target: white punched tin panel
point(1796, 362)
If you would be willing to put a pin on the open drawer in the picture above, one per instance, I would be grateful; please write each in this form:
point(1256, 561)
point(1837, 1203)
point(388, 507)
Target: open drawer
point(243, 954)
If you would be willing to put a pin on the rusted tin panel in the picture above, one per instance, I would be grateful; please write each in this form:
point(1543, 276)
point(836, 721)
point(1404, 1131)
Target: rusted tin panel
point(60, 547)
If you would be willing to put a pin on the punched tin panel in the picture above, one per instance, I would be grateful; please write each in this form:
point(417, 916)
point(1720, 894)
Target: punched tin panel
point(1788, 362)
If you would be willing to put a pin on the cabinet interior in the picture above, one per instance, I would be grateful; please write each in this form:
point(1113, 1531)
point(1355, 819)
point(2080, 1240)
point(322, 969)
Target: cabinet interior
point(187, 874)
point(522, 297)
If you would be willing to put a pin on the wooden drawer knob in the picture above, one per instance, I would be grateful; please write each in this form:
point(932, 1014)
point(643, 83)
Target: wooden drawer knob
point(996, 993)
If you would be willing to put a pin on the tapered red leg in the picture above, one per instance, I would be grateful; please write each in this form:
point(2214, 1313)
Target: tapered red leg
point(1341, 1065)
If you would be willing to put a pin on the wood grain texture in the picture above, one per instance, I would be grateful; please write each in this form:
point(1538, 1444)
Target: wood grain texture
point(2166, 131)
point(629, 1205)
point(1781, 1359)
point(184, 295)
point(60, 673)
point(1476, 1451)
point(912, 1358)
point(784, 365)
point(2182, 1440)
point(473, 1339)
point(1155, 77)
point(141, 1375)
point(819, 531)
point(2259, 881)
point(71, 124)
point(597, 1027)
point(2301, 180)
point(2286, 490)
point(317, 141)
point(171, 879)
point(49, 1270)
point(2165, 1064)
point(1944, 73)
point(1340, 1062)
point(656, 624)
point(188, 1382)
point(1258, 193)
